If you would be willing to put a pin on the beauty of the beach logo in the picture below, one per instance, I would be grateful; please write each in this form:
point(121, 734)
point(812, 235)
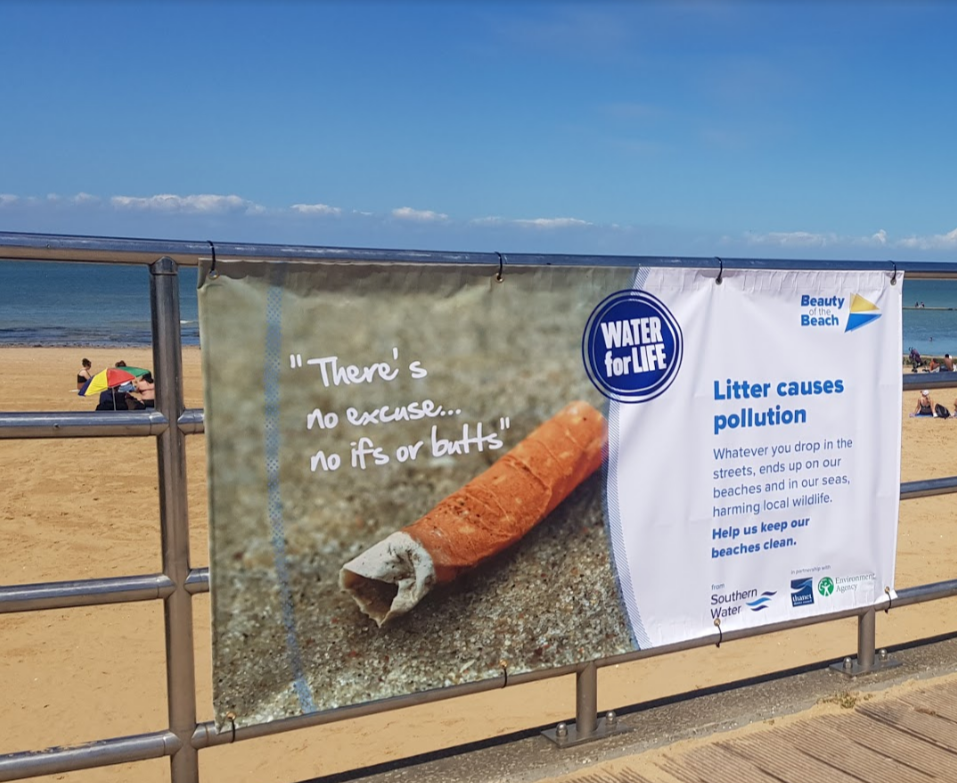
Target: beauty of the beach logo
point(824, 311)
point(632, 347)
point(862, 312)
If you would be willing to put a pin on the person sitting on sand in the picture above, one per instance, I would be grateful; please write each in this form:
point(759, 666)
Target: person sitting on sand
point(948, 363)
point(147, 390)
point(925, 405)
point(127, 387)
point(84, 374)
point(114, 400)
point(933, 366)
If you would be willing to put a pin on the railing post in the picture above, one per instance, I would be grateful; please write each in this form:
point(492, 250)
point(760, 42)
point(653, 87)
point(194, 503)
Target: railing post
point(174, 520)
point(866, 640)
point(586, 701)
point(867, 661)
point(587, 725)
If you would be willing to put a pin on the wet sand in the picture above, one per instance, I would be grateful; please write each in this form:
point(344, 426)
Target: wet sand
point(85, 508)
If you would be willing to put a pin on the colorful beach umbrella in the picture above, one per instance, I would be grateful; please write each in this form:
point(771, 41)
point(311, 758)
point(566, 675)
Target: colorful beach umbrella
point(110, 378)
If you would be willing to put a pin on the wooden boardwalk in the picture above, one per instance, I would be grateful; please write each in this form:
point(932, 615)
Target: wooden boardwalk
point(908, 734)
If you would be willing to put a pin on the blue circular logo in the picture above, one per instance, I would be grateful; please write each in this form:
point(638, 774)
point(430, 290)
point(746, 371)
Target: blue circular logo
point(632, 347)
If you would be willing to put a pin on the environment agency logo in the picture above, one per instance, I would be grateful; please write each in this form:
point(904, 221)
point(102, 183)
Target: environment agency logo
point(825, 586)
point(632, 346)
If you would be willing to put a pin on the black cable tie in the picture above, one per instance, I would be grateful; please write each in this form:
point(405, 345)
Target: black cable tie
point(718, 281)
point(501, 267)
point(717, 624)
point(232, 722)
point(890, 600)
point(894, 276)
point(212, 248)
point(505, 674)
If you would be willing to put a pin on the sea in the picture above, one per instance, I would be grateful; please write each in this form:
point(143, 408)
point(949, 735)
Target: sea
point(95, 305)
point(104, 305)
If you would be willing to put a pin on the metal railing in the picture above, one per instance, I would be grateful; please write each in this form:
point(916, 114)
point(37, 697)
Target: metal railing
point(170, 423)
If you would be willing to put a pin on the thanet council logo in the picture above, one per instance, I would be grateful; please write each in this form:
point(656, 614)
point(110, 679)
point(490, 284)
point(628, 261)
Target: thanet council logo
point(632, 347)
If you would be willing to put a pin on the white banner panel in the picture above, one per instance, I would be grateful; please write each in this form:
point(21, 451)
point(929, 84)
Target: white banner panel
point(754, 445)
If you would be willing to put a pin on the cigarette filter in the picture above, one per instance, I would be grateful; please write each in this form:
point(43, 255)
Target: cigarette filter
point(490, 513)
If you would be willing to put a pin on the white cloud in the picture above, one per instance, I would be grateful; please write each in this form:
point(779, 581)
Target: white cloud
point(790, 239)
point(316, 209)
point(420, 215)
point(202, 204)
point(8, 198)
point(544, 223)
point(946, 241)
point(561, 222)
point(809, 239)
point(85, 198)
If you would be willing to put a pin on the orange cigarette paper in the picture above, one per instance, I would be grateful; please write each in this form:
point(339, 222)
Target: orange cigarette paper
point(498, 507)
point(488, 514)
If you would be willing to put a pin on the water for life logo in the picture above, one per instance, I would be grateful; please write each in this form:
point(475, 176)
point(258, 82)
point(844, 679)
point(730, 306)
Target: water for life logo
point(802, 592)
point(632, 347)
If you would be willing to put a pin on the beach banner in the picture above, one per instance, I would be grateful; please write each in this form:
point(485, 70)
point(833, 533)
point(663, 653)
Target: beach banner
point(754, 460)
point(420, 476)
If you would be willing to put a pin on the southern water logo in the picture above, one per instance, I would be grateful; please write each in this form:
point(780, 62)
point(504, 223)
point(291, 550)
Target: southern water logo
point(632, 347)
point(818, 311)
point(761, 602)
point(730, 603)
point(802, 591)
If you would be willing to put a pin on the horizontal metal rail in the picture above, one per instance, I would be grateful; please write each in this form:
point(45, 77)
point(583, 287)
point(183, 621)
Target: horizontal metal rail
point(927, 487)
point(147, 746)
point(192, 421)
point(84, 592)
point(102, 753)
point(57, 247)
point(96, 592)
point(81, 424)
point(934, 591)
point(198, 581)
point(208, 735)
point(94, 424)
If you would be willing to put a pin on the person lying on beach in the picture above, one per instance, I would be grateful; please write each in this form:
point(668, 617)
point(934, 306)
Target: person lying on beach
point(84, 374)
point(925, 405)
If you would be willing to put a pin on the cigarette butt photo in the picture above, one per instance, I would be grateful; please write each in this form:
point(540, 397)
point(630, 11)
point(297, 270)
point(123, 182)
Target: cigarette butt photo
point(490, 513)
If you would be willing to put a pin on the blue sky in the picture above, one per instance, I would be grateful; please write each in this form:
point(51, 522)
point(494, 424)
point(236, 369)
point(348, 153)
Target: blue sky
point(752, 129)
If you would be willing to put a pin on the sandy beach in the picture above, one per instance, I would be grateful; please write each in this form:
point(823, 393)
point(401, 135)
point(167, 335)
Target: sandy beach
point(85, 508)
